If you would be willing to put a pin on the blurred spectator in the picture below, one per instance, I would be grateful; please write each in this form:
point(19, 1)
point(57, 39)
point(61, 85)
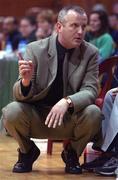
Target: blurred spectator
point(2, 37)
point(98, 34)
point(40, 34)
point(45, 21)
point(113, 23)
point(33, 11)
point(99, 7)
point(1, 22)
point(27, 29)
point(115, 8)
point(2, 40)
point(10, 29)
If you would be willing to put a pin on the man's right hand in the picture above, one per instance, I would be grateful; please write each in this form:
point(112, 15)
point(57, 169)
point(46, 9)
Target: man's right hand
point(26, 69)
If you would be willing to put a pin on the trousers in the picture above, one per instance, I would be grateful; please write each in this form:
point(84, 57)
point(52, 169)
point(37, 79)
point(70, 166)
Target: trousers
point(24, 121)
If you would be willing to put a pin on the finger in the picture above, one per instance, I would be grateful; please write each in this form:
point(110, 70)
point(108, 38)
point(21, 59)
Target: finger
point(25, 66)
point(19, 54)
point(30, 62)
point(48, 118)
point(60, 120)
point(24, 71)
point(56, 121)
point(52, 119)
point(24, 62)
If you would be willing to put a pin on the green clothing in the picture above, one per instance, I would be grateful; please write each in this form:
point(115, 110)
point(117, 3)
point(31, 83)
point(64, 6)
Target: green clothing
point(105, 45)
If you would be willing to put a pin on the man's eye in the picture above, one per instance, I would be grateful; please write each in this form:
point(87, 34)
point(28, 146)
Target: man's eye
point(74, 25)
point(83, 27)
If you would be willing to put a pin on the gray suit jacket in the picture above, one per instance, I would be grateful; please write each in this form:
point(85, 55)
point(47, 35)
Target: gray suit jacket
point(80, 73)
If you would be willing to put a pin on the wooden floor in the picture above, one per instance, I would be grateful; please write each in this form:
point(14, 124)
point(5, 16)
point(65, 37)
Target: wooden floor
point(46, 167)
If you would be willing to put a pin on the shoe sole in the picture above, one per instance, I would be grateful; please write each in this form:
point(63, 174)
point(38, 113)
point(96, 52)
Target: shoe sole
point(70, 172)
point(105, 174)
point(26, 171)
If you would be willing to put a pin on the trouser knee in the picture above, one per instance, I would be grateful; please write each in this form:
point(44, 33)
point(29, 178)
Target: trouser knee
point(11, 114)
point(94, 118)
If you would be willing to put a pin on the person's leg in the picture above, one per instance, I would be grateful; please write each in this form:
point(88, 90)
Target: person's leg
point(88, 124)
point(107, 163)
point(22, 121)
point(110, 143)
point(106, 110)
point(17, 119)
point(110, 122)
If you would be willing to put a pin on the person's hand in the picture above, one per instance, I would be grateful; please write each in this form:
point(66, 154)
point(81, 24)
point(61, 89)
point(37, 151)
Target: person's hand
point(55, 116)
point(115, 92)
point(26, 69)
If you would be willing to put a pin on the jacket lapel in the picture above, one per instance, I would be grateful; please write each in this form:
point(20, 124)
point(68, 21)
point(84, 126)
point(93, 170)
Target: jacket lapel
point(76, 59)
point(52, 60)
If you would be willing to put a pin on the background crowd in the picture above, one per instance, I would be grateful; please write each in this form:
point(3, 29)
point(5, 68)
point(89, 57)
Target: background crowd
point(39, 23)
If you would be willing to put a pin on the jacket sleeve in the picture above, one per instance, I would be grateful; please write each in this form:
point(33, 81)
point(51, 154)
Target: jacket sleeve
point(17, 93)
point(89, 88)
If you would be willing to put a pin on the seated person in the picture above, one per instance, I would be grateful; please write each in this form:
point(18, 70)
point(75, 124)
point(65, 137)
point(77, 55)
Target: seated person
point(113, 30)
point(98, 35)
point(108, 162)
point(11, 34)
point(27, 29)
point(45, 21)
point(55, 93)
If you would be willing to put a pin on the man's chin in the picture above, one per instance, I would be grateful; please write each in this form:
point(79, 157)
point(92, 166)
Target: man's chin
point(77, 44)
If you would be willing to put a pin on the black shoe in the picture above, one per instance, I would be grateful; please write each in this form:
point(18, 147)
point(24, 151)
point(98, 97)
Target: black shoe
point(98, 162)
point(109, 168)
point(71, 160)
point(25, 161)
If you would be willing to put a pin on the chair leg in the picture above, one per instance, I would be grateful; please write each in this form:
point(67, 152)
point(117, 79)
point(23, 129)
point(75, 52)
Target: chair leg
point(49, 146)
point(65, 143)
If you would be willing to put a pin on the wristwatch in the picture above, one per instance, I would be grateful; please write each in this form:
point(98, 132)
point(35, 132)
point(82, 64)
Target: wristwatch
point(69, 101)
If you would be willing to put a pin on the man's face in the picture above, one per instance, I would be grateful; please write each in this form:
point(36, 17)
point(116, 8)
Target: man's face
point(113, 21)
point(72, 30)
point(8, 25)
point(95, 23)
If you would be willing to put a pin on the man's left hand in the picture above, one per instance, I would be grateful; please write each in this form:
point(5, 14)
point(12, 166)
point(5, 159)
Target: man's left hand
point(55, 116)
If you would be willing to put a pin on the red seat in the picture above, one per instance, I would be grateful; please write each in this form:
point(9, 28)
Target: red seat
point(108, 67)
point(50, 145)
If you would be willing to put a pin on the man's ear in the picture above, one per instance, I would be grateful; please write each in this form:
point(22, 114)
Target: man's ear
point(58, 27)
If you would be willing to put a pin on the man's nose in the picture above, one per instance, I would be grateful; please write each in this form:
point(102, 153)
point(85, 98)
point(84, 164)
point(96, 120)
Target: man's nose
point(80, 30)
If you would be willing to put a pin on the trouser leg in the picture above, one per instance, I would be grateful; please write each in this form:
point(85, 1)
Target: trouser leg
point(110, 123)
point(22, 121)
point(17, 119)
point(88, 124)
point(106, 110)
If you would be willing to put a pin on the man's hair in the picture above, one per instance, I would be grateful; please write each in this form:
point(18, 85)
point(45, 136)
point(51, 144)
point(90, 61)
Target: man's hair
point(30, 19)
point(63, 12)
